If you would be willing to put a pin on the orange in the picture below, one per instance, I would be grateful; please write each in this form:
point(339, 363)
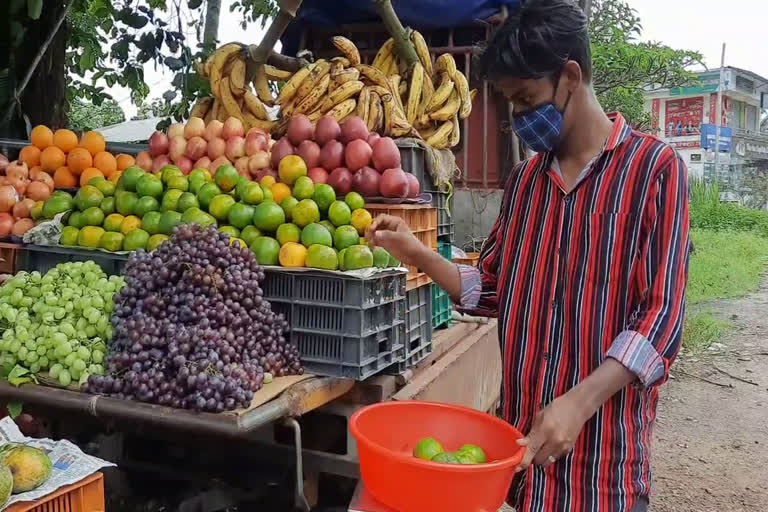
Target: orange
point(78, 160)
point(115, 176)
point(94, 142)
point(52, 158)
point(41, 136)
point(105, 162)
point(124, 161)
point(88, 174)
point(30, 155)
point(65, 140)
point(63, 178)
point(280, 191)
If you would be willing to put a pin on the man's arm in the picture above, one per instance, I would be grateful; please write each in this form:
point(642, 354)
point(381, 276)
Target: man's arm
point(644, 351)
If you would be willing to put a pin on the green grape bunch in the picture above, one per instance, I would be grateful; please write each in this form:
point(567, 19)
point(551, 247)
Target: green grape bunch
point(59, 322)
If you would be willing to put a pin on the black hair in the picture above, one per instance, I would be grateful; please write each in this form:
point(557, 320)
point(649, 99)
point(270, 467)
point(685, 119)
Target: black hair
point(537, 41)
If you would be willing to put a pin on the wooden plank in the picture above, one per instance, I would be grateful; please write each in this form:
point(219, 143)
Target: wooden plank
point(469, 374)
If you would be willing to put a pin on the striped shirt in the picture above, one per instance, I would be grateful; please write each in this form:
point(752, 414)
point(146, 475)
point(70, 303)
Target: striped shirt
point(578, 277)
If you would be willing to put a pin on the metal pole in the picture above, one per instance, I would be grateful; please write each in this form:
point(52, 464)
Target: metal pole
point(719, 113)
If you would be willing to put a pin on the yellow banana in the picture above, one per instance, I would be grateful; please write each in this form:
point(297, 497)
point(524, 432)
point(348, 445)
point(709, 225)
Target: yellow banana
point(237, 78)
point(229, 102)
point(341, 60)
point(472, 95)
point(201, 108)
point(345, 91)
point(348, 48)
point(414, 92)
point(320, 109)
point(442, 93)
point(445, 63)
point(374, 75)
point(463, 87)
point(364, 103)
point(450, 109)
point(384, 54)
point(255, 105)
point(251, 121)
point(278, 75)
point(308, 102)
point(375, 113)
point(292, 85)
point(455, 132)
point(441, 138)
point(402, 90)
point(395, 123)
point(394, 86)
point(346, 75)
point(321, 69)
point(427, 90)
point(220, 58)
point(343, 109)
point(261, 84)
point(422, 50)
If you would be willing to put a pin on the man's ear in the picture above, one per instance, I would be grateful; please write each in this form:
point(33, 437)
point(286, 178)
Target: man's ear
point(572, 75)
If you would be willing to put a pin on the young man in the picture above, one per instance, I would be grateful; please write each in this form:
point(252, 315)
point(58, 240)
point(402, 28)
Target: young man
point(585, 268)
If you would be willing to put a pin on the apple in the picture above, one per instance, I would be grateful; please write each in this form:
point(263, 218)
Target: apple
point(213, 130)
point(175, 130)
point(195, 127)
point(196, 148)
point(233, 127)
point(158, 144)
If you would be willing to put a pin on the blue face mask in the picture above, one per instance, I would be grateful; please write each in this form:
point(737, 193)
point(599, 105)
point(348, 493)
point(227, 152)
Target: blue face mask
point(541, 127)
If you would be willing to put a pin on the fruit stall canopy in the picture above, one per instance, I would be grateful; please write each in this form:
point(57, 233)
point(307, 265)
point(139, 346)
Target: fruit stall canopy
point(422, 14)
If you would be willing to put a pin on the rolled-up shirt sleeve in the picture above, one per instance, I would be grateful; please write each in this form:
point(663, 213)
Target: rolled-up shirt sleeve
point(652, 338)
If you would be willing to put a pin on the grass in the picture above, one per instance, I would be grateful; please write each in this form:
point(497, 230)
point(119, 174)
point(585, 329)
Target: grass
point(702, 329)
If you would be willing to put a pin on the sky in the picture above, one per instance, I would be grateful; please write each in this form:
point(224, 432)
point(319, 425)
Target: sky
point(684, 24)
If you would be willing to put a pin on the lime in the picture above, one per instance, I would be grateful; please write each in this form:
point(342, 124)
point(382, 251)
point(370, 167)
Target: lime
point(252, 193)
point(380, 257)
point(178, 183)
point(445, 458)
point(230, 230)
point(249, 234)
point(168, 172)
point(226, 177)
point(288, 204)
point(339, 213)
point(76, 220)
point(293, 255)
point(108, 205)
point(357, 257)
point(92, 216)
point(136, 239)
point(266, 249)
point(220, 205)
point(90, 236)
point(125, 202)
point(149, 185)
point(194, 216)
point(113, 222)
point(168, 221)
point(186, 201)
point(146, 204)
point(240, 215)
point(329, 226)
point(268, 196)
point(345, 236)
point(105, 187)
point(320, 256)
point(59, 202)
point(171, 200)
point(156, 241)
point(303, 188)
point(200, 173)
point(474, 451)
point(354, 200)
point(305, 213)
point(361, 219)
point(316, 234)
point(129, 178)
point(427, 449)
point(288, 233)
point(112, 241)
point(324, 196)
point(151, 222)
point(207, 192)
point(69, 235)
point(87, 197)
point(195, 184)
point(268, 216)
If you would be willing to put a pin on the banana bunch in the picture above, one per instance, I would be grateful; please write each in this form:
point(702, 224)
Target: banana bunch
point(227, 71)
point(434, 96)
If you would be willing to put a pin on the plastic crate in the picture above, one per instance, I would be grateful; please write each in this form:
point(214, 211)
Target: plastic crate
point(418, 328)
point(343, 326)
point(8, 260)
point(446, 227)
point(442, 307)
point(473, 258)
point(44, 258)
point(87, 495)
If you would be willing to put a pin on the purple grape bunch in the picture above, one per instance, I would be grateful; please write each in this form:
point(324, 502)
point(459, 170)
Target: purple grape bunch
point(192, 329)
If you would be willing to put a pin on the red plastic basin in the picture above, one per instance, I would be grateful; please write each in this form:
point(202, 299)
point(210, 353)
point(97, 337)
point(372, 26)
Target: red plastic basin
point(387, 432)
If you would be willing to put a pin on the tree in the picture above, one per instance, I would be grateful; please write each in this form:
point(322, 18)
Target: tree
point(155, 108)
point(84, 115)
point(753, 180)
point(625, 67)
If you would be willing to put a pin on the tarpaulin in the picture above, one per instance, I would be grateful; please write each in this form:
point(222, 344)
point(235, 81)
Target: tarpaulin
point(422, 14)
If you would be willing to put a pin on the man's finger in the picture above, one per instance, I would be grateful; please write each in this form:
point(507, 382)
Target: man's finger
point(532, 445)
point(384, 239)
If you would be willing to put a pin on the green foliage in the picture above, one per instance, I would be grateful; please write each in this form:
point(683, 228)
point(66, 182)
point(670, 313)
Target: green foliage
point(86, 116)
point(625, 67)
point(254, 10)
point(707, 212)
point(702, 329)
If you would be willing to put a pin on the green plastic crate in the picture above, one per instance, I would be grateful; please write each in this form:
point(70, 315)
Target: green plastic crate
point(441, 302)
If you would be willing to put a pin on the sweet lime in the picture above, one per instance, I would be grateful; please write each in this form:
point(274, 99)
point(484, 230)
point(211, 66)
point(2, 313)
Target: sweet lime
point(130, 223)
point(345, 236)
point(232, 231)
point(303, 188)
point(207, 192)
point(445, 458)
point(427, 449)
point(149, 185)
point(112, 241)
point(226, 177)
point(279, 192)
point(90, 236)
point(339, 213)
point(200, 173)
point(92, 216)
point(268, 216)
point(329, 226)
point(288, 233)
point(291, 168)
point(105, 187)
point(129, 178)
point(136, 239)
point(156, 241)
point(354, 200)
point(305, 212)
point(252, 193)
point(113, 222)
point(293, 255)
point(179, 183)
point(151, 222)
point(361, 219)
point(220, 206)
point(249, 234)
point(125, 202)
point(170, 200)
point(240, 215)
point(186, 201)
point(268, 196)
point(76, 220)
point(320, 256)
point(380, 257)
point(87, 197)
point(316, 234)
point(266, 249)
point(267, 181)
point(324, 196)
point(69, 235)
point(145, 205)
point(357, 257)
point(474, 451)
point(168, 172)
point(108, 205)
point(288, 204)
point(168, 221)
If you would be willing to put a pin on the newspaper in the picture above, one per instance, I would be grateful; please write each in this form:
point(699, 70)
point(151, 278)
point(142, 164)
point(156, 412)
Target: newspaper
point(70, 464)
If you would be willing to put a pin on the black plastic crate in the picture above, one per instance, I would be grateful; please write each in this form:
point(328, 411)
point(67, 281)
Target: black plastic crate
point(418, 328)
point(44, 258)
point(445, 224)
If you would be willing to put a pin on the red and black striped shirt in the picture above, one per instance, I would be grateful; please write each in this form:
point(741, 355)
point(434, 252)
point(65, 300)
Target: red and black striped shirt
point(575, 278)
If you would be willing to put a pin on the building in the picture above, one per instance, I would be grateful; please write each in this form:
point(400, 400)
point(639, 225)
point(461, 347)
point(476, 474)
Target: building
point(686, 118)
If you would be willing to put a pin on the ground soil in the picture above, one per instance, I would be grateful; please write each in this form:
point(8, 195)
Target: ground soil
point(711, 450)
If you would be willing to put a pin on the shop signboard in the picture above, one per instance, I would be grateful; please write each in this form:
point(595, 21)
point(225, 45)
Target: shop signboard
point(684, 116)
point(709, 136)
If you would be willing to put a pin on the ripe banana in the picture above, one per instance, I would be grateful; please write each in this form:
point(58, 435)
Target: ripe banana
point(422, 50)
point(320, 69)
point(220, 58)
point(472, 95)
point(427, 90)
point(374, 75)
point(202, 107)
point(229, 102)
point(364, 103)
point(455, 132)
point(394, 86)
point(450, 109)
point(348, 48)
point(441, 138)
point(292, 85)
point(308, 102)
point(261, 84)
point(375, 113)
point(445, 63)
point(342, 60)
point(442, 93)
point(383, 55)
point(251, 121)
point(237, 78)
point(343, 109)
point(255, 105)
point(278, 75)
point(414, 92)
point(345, 91)
point(463, 87)
point(345, 75)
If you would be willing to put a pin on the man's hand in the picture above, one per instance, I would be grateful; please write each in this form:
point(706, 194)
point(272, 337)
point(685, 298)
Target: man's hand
point(555, 431)
point(394, 235)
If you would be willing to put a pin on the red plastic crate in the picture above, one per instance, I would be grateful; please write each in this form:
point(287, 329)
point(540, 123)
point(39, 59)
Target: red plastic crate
point(87, 495)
